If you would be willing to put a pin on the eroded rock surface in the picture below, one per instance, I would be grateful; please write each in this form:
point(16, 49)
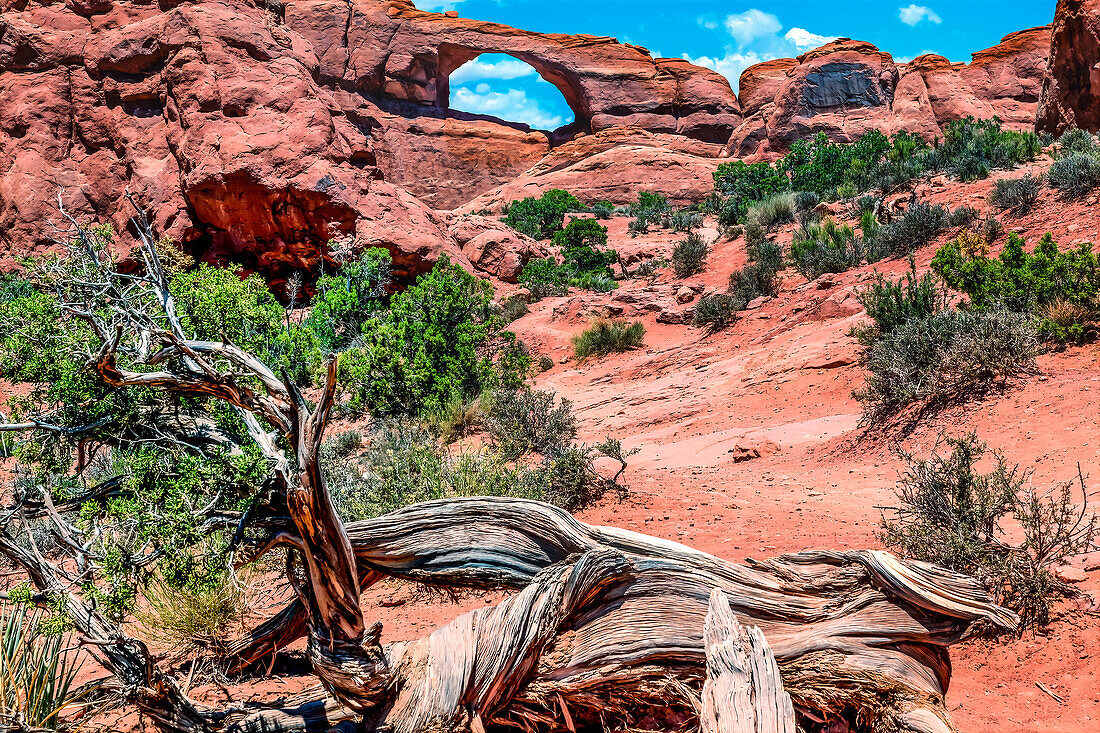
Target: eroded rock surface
point(1071, 86)
point(847, 88)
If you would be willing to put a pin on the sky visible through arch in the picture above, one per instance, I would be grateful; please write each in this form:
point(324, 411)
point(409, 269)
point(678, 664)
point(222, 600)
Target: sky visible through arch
point(725, 36)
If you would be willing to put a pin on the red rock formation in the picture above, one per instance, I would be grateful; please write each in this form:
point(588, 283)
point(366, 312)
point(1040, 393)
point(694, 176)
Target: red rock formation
point(846, 88)
point(1071, 86)
point(256, 132)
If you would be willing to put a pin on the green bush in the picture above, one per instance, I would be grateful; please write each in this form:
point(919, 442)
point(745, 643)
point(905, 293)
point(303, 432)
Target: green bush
point(1016, 194)
point(962, 216)
point(1075, 175)
point(971, 148)
point(545, 278)
point(523, 420)
point(820, 166)
point(603, 209)
point(918, 226)
point(38, 670)
point(345, 301)
point(638, 226)
point(892, 304)
point(740, 184)
point(759, 277)
point(605, 336)
point(773, 211)
point(825, 247)
point(689, 256)
point(951, 356)
point(584, 264)
point(994, 526)
point(685, 221)
point(650, 208)
point(541, 217)
point(436, 343)
point(716, 311)
point(1028, 282)
point(1076, 141)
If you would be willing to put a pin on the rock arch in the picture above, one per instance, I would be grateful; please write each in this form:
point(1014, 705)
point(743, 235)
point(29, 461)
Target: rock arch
point(453, 56)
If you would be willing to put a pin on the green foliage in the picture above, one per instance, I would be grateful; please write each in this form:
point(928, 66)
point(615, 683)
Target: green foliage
point(520, 421)
point(38, 669)
point(689, 256)
point(685, 221)
point(584, 265)
point(971, 148)
point(1016, 194)
point(919, 225)
point(715, 311)
point(13, 287)
point(605, 336)
point(892, 304)
point(773, 211)
point(949, 357)
point(436, 343)
point(347, 300)
point(1076, 141)
point(187, 619)
point(1027, 282)
point(1075, 175)
point(740, 184)
point(543, 216)
point(952, 515)
point(759, 277)
point(822, 167)
point(962, 216)
point(217, 304)
point(603, 209)
point(825, 247)
point(650, 207)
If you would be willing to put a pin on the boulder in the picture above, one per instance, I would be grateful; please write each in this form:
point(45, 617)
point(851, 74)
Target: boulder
point(1070, 95)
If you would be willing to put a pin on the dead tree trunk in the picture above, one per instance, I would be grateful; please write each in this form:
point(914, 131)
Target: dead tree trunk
point(743, 692)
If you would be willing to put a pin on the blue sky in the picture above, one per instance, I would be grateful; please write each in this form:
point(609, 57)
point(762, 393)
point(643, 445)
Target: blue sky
point(725, 36)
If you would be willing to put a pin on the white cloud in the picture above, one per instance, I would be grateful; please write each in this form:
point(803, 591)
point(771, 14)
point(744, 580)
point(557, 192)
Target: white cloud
point(510, 105)
point(708, 23)
point(803, 40)
point(730, 66)
point(907, 59)
point(506, 68)
point(752, 24)
point(913, 14)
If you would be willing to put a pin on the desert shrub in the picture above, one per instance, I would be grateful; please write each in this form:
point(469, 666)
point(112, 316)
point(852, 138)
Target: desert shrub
point(436, 343)
point(817, 165)
point(581, 233)
point(689, 256)
point(806, 200)
point(1076, 141)
point(603, 209)
point(638, 226)
point(605, 336)
point(345, 301)
point(715, 311)
point(992, 228)
point(921, 223)
point(204, 616)
point(1075, 175)
point(13, 287)
point(773, 211)
point(651, 267)
point(759, 277)
point(951, 514)
point(38, 669)
point(891, 304)
point(962, 216)
point(685, 221)
point(739, 184)
point(971, 148)
point(867, 204)
point(650, 208)
point(951, 356)
point(513, 308)
point(523, 420)
point(731, 231)
point(825, 247)
point(1029, 282)
point(544, 278)
point(755, 235)
point(543, 216)
point(1016, 194)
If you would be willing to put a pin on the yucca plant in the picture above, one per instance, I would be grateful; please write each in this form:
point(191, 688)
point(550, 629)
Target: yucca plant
point(36, 672)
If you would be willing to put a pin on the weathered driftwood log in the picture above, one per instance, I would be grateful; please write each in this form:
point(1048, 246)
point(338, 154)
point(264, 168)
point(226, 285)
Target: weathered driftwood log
point(856, 634)
point(743, 692)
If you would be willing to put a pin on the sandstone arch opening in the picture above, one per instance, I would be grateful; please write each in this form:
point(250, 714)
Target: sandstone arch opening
point(510, 87)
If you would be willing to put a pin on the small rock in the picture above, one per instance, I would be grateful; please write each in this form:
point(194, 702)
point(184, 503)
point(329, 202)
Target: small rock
point(451, 13)
point(748, 451)
point(757, 302)
point(1070, 574)
point(524, 293)
point(828, 280)
point(685, 295)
